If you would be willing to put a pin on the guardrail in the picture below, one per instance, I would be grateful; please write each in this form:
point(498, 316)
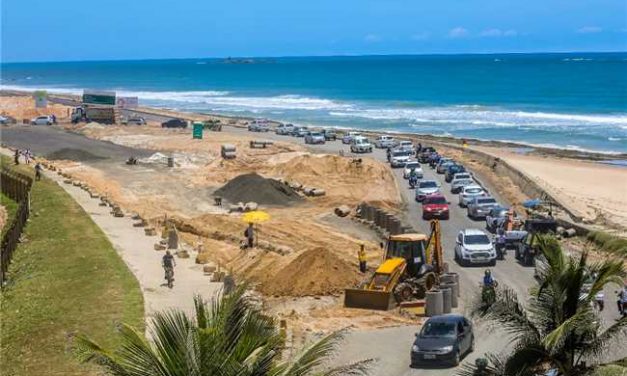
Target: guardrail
point(17, 187)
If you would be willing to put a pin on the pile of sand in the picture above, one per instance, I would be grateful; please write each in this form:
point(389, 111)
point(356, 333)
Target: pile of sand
point(316, 271)
point(343, 180)
point(70, 154)
point(253, 187)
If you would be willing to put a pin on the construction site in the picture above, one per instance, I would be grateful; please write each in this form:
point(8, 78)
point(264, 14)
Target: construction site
point(321, 205)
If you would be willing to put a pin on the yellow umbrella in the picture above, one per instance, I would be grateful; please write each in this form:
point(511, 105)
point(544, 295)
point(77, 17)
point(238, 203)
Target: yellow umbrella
point(256, 216)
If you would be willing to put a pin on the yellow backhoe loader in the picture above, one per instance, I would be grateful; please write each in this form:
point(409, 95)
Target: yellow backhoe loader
point(412, 264)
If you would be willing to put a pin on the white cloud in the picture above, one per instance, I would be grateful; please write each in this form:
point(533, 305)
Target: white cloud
point(491, 33)
point(458, 32)
point(589, 30)
point(373, 38)
point(495, 33)
point(421, 36)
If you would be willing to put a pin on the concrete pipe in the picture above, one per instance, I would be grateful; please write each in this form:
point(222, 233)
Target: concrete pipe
point(569, 233)
point(446, 299)
point(388, 222)
point(447, 277)
point(378, 214)
point(434, 303)
point(395, 226)
point(170, 161)
point(454, 292)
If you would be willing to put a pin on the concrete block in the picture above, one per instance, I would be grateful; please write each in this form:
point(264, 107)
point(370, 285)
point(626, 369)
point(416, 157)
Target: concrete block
point(342, 211)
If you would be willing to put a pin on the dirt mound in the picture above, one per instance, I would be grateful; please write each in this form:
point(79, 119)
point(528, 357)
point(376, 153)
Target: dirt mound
point(253, 187)
point(316, 271)
point(77, 155)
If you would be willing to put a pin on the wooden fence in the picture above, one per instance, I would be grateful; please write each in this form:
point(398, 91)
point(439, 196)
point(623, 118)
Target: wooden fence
point(15, 186)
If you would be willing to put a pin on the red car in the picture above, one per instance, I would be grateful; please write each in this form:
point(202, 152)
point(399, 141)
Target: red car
point(435, 206)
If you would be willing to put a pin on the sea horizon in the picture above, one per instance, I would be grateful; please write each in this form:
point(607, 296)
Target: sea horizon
point(563, 100)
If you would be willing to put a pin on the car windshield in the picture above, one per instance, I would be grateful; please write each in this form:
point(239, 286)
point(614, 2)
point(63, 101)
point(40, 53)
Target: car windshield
point(435, 200)
point(462, 181)
point(428, 184)
point(438, 329)
point(400, 154)
point(462, 176)
point(316, 134)
point(473, 190)
point(412, 165)
point(477, 239)
point(483, 201)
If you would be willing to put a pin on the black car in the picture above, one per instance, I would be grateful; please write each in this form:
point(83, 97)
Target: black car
point(425, 153)
point(443, 339)
point(330, 134)
point(174, 123)
point(452, 170)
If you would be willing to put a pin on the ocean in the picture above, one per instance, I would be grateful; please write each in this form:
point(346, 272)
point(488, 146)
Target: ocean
point(573, 101)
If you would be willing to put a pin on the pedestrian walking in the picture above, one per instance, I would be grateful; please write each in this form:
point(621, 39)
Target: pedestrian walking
point(361, 255)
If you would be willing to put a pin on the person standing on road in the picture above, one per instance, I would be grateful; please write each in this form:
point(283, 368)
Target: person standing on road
point(361, 255)
point(168, 263)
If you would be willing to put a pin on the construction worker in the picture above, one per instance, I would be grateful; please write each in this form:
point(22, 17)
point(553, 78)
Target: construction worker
point(250, 236)
point(361, 255)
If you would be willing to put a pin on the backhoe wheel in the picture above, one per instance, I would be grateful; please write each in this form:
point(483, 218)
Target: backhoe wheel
point(403, 292)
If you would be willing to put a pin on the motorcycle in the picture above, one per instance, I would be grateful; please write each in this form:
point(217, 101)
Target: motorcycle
point(412, 182)
point(488, 292)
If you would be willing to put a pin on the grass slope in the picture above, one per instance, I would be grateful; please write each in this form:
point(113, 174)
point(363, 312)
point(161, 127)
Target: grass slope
point(65, 279)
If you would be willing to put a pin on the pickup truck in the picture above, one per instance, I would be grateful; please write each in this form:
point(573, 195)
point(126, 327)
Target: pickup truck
point(284, 129)
point(398, 158)
point(407, 146)
point(348, 137)
point(384, 142)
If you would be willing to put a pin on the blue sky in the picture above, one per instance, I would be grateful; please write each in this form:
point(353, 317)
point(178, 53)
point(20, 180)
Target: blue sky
point(45, 30)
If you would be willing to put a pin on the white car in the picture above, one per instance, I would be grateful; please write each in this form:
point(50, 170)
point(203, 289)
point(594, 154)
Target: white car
point(398, 158)
point(407, 146)
point(412, 165)
point(361, 144)
point(41, 120)
point(426, 188)
point(384, 142)
point(468, 193)
point(473, 246)
point(284, 129)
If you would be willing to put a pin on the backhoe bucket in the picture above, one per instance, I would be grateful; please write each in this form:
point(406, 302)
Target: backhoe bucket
point(369, 299)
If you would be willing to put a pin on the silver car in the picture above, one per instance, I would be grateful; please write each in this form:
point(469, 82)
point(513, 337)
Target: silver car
point(284, 129)
point(315, 138)
point(468, 193)
point(426, 188)
point(399, 158)
point(458, 184)
point(480, 206)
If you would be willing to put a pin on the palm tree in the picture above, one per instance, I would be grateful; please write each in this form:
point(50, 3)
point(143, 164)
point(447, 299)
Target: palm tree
point(226, 337)
point(558, 328)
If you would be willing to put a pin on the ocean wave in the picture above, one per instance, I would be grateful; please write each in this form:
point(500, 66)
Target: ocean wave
point(484, 117)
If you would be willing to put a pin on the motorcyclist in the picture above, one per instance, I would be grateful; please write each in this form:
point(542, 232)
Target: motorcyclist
point(168, 263)
point(413, 178)
point(500, 243)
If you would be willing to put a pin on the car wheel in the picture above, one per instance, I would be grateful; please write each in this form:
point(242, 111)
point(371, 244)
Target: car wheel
point(492, 263)
point(456, 359)
point(472, 344)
